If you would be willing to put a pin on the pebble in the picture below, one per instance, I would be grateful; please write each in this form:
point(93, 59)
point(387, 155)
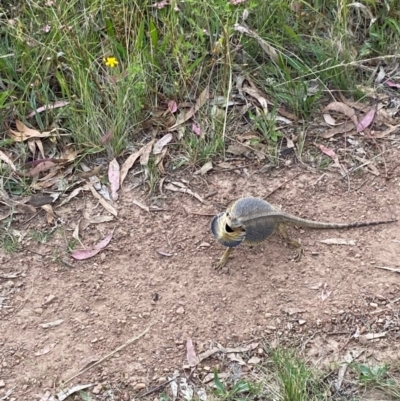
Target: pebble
point(139, 386)
point(162, 379)
point(97, 388)
point(254, 360)
point(180, 310)
point(38, 311)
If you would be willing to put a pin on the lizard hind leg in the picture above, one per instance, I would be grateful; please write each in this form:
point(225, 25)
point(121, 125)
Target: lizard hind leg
point(291, 241)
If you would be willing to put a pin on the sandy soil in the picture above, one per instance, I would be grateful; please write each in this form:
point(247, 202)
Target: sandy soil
point(320, 302)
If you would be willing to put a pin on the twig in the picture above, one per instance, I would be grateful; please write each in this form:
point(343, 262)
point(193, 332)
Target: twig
point(153, 390)
point(203, 214)
point(210, 194)
point(283, 184)
point(388, 268)
point(130, 341)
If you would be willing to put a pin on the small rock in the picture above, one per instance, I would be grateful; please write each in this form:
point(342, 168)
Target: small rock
point(97, 388)
point(204, 245)
point(260, 351)
point(49, 299)
point(162, 379)
point(180, 310)
point(38, 311)
point(301, 322)
point(9, 284)
point(207, 368)
point(254, 360)
point(95, 340)
point(139, 386)
point(2, 384)
point(373, 305)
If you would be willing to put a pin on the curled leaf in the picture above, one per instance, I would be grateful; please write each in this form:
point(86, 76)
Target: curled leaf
point(366, 120)
point(343, 108)
point(82, 254)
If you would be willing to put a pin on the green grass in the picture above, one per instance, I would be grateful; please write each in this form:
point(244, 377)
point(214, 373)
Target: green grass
point(55, 52)
point(285, 376)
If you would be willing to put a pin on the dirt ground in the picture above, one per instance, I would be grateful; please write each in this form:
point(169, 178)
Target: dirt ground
point(158, 270)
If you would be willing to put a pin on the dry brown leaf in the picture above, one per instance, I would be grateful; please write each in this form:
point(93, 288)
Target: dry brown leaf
point(159, 145)
point(129, 162)
point(238, 149)
point(90, 173)
point(32, 146)
point(331, 154)
point(341, 129)
point(342, 108)
point(289, 116)
point(330, 120)
point(7, 160)
point(49, 213)
point(383, 134)
point(191, 356)
point(24, 133)
point(45, 350)
point(40, 168)
point(51, 106)
point(366, 120)
point(102, 201)
point(254, 92)
point(75, 233)
point(179, 187)
point(82, 254)
point(205, 169)
point(144, 157)
point(39, 145)
point(144, 207)
point(270, 50)
point(184, 116)
point(159, 161)
point(72, 195)
point(114, 178)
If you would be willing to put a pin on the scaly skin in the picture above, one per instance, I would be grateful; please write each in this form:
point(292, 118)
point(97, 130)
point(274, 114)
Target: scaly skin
point(253, 220)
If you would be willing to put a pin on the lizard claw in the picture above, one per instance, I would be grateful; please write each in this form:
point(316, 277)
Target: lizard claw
point(299, 254)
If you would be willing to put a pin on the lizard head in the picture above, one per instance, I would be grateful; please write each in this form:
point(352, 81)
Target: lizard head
point(224, 233)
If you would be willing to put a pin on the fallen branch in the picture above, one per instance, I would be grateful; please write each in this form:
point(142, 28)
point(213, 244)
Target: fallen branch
point(130, 341)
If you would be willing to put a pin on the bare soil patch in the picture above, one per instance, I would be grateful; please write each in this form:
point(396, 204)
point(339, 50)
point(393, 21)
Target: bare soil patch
point(334, 292)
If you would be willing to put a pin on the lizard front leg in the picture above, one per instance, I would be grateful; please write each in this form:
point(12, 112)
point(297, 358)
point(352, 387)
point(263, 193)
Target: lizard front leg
point(292, 242)
point(224, 258)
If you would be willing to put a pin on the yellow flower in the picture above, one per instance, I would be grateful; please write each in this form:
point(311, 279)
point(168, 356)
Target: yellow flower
point(110, 62)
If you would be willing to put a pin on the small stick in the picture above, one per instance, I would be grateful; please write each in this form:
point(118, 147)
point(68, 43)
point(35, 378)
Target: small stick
point(153, 390)
point(388, 268)
point(130, 341)
point(210, 194)
point(203, 214)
